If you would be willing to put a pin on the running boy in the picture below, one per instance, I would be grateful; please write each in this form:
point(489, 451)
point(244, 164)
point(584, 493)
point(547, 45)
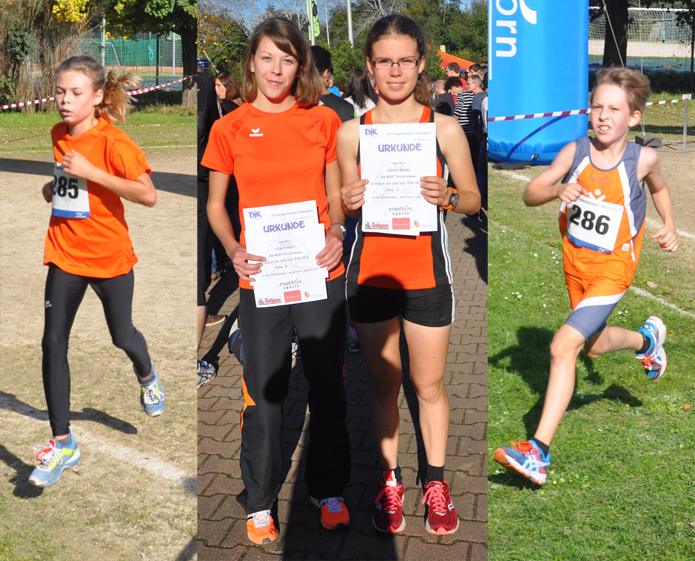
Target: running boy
point(602, 217)
point(88, 243)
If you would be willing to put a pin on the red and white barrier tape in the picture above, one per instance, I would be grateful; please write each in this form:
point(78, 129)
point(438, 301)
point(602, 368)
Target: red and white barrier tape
point(565, 113)
point(46, 99)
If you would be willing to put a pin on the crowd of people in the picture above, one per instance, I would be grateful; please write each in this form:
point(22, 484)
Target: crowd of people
point(303, 144)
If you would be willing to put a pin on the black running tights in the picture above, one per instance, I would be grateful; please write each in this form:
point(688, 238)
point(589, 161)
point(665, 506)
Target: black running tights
point(64, 293)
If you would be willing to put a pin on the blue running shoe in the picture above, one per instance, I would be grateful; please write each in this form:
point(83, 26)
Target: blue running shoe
point(152, 396)
point(206, 372)
point(525, 458)
point(654, 360)
point(54, 460)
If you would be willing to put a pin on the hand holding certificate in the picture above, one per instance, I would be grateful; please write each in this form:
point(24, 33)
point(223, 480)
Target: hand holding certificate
point(394, 158)
point(289, 237)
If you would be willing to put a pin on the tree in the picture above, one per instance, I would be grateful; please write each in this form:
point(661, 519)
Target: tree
point(221, 39)
point(159, 16)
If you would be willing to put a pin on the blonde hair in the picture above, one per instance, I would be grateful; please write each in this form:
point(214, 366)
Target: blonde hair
point(633, 83)
point(116, 102)
point(289, 39)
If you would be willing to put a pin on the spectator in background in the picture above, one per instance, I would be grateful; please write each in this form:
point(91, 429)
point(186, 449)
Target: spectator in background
point(464, 80)
point(322, 62)
point(453, 70)
point(228, 92)
point(445, 101)
point(479, 107)
point(473, 70)
point(360, 92)
point(332, 87)
point(454, 86)
point(463, 111)
point(207, 115)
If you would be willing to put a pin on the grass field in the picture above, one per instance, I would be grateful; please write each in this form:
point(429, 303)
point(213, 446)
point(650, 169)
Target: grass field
point(149, 126)
point(621, 483)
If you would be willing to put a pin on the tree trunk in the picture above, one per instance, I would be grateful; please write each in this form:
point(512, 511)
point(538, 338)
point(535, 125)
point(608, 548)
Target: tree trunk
point(615, 55)
point(189, 56)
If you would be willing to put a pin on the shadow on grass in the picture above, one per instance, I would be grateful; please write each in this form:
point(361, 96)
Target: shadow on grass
point(11, 403)
point(530, 359)
point(22, 488)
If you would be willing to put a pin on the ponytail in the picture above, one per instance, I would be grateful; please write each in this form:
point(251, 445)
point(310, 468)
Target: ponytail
point(117, 103)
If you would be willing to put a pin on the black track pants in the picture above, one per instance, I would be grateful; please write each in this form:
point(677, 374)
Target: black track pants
point(64, 293)
point(267, 336)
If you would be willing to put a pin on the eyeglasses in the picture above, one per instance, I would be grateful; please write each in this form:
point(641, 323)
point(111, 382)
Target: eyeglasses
point(403, 64)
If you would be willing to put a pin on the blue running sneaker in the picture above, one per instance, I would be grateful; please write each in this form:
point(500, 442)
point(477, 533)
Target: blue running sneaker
point(654, 360)
point(206, 372)
point(54, 460)
point(525, 458)
point(152, 396)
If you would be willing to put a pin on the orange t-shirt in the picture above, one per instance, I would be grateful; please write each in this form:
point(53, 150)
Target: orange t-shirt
point(276, 158)
point(98, 246)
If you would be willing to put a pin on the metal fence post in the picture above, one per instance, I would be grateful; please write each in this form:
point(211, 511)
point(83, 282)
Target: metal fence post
point(686, 97)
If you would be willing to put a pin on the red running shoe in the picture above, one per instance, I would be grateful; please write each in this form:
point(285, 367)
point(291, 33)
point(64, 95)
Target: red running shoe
point(441, 514)
point(388, 510)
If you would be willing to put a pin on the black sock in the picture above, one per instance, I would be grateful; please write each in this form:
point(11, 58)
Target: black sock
point(434, 474)
point(396, 474)
point(645, 344)
point(542, 445)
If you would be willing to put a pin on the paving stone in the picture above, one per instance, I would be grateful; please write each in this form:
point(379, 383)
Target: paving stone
point(419, 551)
point(222, 525)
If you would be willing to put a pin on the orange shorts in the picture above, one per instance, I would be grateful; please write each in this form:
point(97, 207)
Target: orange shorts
point(593, 301)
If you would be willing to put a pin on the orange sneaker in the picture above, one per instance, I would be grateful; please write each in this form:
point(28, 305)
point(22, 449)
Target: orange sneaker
point(334, 514)
point(261, 528)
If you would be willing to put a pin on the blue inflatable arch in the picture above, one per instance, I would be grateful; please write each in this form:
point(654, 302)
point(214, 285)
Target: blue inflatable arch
point(538, 63)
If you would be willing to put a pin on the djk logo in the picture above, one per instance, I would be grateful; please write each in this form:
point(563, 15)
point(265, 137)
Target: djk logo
point(255, 214)
point(370, 132)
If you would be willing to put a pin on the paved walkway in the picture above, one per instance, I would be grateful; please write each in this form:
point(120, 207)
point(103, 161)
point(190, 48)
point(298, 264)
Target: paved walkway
point(221, 521)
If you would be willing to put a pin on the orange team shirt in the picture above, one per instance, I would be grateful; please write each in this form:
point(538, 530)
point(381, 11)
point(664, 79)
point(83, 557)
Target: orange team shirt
point(619, 185)
point(276, 158)
point(98, 246)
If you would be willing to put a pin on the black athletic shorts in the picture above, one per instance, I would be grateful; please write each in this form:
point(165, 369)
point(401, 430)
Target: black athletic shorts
point(431, 307)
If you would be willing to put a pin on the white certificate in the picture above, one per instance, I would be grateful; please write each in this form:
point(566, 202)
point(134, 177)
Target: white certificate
point(289, 237)
point(394, 158)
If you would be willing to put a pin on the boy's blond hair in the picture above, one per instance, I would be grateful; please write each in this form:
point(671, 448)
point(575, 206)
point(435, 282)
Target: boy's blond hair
point(633, 83)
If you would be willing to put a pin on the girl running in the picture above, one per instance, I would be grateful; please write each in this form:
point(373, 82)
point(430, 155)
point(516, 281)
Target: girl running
point(280, 146)
point(602, 216)
point(88, 242)
point(403, 280)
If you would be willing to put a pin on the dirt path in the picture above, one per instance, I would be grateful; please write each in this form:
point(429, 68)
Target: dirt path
point(133, 494)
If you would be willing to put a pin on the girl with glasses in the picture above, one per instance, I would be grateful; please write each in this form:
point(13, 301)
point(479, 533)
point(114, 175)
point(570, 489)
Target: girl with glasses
point(406, 280)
